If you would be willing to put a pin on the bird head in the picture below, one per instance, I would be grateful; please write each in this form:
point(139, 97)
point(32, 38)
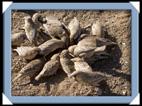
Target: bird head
point(55, 56)
point(38, 18)
point(71, 49)
point(28, 19)
point(97, 29)
point(65, 54)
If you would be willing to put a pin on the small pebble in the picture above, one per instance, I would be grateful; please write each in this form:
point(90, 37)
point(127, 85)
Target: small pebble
point(124, 92)
point(124, 44)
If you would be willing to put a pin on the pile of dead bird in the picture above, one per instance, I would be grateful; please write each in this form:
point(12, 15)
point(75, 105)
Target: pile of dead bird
point(59, 46)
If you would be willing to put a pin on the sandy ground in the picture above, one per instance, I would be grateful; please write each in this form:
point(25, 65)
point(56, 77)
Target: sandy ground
point(117, 24)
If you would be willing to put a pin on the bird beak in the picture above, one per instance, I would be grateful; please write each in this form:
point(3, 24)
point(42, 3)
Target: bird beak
point(103, 41)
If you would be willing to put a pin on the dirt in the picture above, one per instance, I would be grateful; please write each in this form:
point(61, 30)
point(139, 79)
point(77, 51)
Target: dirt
point(117, 25)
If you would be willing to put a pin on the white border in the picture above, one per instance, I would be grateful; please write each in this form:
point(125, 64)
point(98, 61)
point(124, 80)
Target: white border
point(60, 99)
point(136, 5)
point(5, 100)
point(136, 100)
point(5, 5)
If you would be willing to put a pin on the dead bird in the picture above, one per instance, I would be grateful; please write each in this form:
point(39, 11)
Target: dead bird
point(30, 29)
point(30, 69)
point(84, 45)
point(75, 29)
point(83, 72)
point(53, 27)
point(90, 45)
point(27, 52)
point(57, 29)
point(92, 78)
point(50, 46)
point(50, 68)
point(66, 63)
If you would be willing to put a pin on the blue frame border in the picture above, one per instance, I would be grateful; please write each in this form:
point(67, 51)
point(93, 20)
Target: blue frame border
point(71, 99)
